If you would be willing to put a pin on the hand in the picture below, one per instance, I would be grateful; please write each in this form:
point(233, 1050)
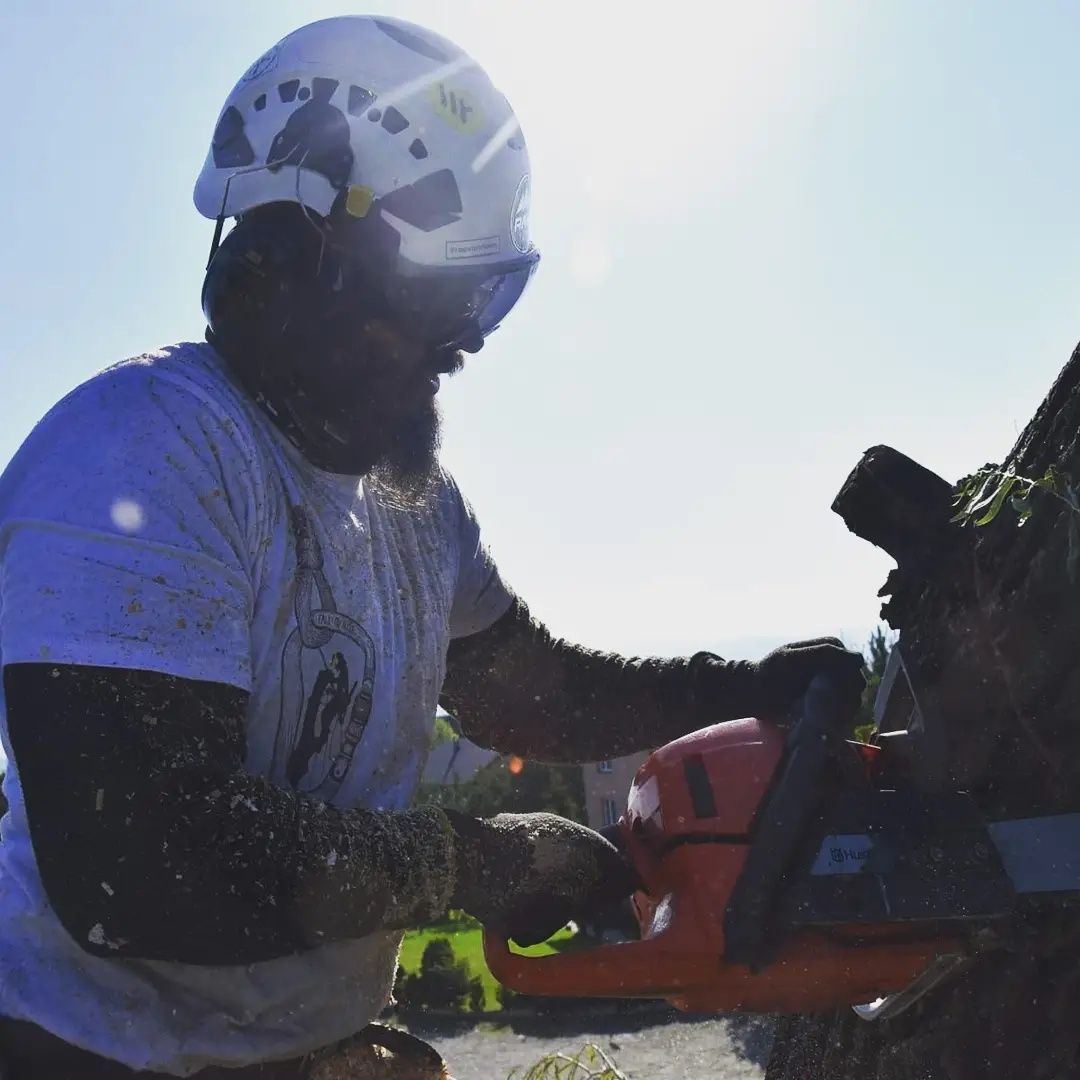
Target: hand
point(527, 875)
point(783, 676)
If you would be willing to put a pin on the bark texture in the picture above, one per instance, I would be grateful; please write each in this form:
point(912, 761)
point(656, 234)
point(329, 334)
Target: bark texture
point(989, 622)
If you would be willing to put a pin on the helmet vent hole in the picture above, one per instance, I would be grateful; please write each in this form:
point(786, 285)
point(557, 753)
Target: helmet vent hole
point(359, 99)
point(393, 121)
point(418, 150)
point(260, 103)
point(303, 93)
point(230, 145)
point(287, 90)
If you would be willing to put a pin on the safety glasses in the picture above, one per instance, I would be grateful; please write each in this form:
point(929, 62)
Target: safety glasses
point(457, 308)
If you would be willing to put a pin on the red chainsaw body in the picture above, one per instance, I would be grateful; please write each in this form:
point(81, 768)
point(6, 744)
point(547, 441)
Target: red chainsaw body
point(688, 830)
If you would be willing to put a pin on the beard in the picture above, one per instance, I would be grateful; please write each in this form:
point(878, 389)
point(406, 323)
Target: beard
point(345, 420)
point(406, 472)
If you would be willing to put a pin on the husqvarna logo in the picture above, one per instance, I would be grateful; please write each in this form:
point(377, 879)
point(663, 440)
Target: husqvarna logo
point(843, 854)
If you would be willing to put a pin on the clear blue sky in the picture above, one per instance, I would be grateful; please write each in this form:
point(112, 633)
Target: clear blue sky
point(773, 235)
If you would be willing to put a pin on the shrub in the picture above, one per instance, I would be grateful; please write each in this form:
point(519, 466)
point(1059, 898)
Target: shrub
point(442, 982)
point(438, 955)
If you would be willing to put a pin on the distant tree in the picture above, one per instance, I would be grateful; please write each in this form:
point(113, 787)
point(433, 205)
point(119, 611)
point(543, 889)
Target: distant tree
point(442, 982)
point(877, 651)
point(877, 656)
point(438, 955)
point(557, 789)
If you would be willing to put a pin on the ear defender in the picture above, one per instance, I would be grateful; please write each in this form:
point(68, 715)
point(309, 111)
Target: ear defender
point(263, 279)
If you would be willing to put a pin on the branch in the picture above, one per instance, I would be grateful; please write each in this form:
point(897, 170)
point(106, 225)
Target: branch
point(895, 504)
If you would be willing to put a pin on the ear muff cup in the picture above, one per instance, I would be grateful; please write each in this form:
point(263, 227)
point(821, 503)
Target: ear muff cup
point(264, 282)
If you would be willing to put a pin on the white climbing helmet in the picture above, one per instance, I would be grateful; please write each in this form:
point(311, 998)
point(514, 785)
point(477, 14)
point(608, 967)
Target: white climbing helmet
point(372, 116)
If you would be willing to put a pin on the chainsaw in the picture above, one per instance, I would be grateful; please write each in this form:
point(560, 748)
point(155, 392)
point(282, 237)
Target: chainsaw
point(790, 868)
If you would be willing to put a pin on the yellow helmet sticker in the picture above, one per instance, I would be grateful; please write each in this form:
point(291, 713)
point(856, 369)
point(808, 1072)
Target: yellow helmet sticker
point(455, 107)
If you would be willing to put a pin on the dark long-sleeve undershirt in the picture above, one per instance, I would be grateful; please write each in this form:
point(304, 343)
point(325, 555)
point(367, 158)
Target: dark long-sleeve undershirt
point(517, 689)
point(153, 842)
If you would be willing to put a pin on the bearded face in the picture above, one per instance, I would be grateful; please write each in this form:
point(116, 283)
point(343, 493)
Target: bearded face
point(347, 376)
point(365, 405)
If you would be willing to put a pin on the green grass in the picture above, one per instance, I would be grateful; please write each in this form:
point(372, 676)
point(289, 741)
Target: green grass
point(467, 938)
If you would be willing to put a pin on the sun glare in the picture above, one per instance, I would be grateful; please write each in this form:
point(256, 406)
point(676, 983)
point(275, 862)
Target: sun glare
point(611, 97)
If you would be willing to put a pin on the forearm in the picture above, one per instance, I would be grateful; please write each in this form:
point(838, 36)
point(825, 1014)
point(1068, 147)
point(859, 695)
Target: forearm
point(517, 689)
point(304, 873)
point(152, 842)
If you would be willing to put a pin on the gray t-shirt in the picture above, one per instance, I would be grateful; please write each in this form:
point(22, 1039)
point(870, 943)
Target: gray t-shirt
point(156, 520)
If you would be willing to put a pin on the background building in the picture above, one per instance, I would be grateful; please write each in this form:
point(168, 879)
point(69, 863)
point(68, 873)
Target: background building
point(606, 786)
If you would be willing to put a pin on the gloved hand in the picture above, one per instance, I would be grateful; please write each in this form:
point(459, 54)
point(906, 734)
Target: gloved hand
point(527, 875)
point(785, 673)
point(726, 690)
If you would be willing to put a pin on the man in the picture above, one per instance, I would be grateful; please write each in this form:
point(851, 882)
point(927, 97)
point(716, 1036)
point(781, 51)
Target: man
point(236, 583)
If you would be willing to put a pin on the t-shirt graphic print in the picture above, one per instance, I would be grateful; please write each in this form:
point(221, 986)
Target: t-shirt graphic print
point(327, 679)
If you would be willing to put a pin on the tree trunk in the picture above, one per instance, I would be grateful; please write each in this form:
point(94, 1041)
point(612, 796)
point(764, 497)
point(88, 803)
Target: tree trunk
point(989, 622)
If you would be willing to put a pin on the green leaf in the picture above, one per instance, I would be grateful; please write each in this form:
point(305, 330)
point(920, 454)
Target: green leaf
point(975, 492)
point(1050, 480)
point(992, 504)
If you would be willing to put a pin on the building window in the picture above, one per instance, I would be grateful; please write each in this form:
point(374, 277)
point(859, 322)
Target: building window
point(603, 766)
point(609, 811)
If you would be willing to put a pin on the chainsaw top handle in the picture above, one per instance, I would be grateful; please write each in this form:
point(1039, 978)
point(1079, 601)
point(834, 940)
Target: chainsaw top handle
point(821, 724)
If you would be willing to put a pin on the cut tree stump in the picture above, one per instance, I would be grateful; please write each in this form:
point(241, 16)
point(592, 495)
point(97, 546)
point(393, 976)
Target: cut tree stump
point(989, 625)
